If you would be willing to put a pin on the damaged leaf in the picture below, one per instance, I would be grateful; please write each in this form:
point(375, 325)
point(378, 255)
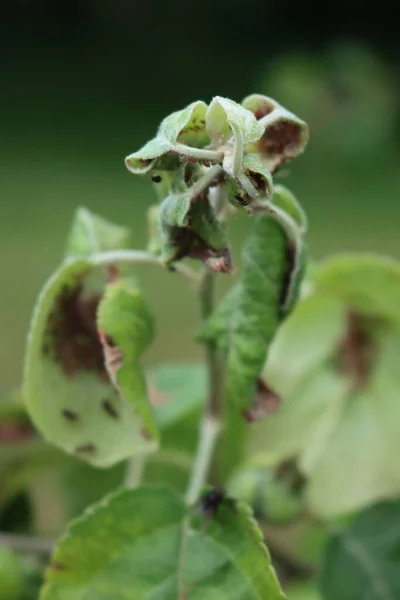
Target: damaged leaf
point(126, 329)
point(190, 228)
point(251, 187)
point(67, 390)
point(231, 127)
point(181, 137)
point(284, 136)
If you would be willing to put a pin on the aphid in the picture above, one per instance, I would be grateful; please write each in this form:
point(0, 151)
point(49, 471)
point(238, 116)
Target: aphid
point(156, 178)
point(211, 501)
point(244, 201)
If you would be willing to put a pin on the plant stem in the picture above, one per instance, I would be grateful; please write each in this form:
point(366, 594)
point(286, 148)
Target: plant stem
point(210, 425)
point(134, 471)
point(209, 430)
point(139, 257)
point(24, 543)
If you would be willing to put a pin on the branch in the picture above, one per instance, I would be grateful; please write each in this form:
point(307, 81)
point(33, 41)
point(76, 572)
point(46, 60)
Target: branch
point(210, 425)
point(139, 257)
point(24, 543)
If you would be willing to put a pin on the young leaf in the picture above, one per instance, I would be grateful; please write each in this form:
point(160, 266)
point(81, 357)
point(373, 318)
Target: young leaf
point(154, 155)
point(232, 127)
point(91, 233)
point(188, 126)
point(67, 390)
point(155, 549)
point(176, 390)
point(126, 329)
point(181, 137)
point(246, 322)
point(284, 136)
point(363, 560)
point(252, 186)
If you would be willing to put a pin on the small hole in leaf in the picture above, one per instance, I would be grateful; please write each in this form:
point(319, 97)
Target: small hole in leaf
point(69, 414)
point(88, 448)
point(109, 409)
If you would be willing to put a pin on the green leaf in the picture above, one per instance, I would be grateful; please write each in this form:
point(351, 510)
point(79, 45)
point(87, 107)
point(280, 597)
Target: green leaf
point(150, 156)
point(231, 126)
point(367, 283)
point(284, 136)
point(284, 199)
point(188, 126)
point(327, 405)
point(305, 341)
point(67, 391)
point(11, 575)
point(303, 591)
point(91, 233)
point(244, 325)
point(126, 327)
point(369, 416)
point(363, 560)
point(290, 431)
point(177, 390)
point(155, 548)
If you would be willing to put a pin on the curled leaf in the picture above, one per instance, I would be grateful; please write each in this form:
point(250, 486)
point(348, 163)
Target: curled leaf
point(251, 187)
point(152, 156)
point(181, 137)
point(126, 329)
point(190, 228)
point(231, 127)
point(284, 136)
point(67, 390)
point(187, 126)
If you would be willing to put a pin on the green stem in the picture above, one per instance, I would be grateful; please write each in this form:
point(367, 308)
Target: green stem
point(210, 425)
point(134, 471)
point(24, 543)
point(139, 257)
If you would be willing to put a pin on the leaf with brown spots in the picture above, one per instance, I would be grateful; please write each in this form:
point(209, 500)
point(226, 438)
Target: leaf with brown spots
point(65, 379)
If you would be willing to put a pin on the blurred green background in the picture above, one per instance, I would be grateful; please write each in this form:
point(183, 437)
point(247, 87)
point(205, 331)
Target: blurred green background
point(86, 82)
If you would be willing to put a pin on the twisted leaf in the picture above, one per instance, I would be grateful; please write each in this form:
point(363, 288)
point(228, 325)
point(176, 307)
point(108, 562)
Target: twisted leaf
point(232, 127)
point(284, 136)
